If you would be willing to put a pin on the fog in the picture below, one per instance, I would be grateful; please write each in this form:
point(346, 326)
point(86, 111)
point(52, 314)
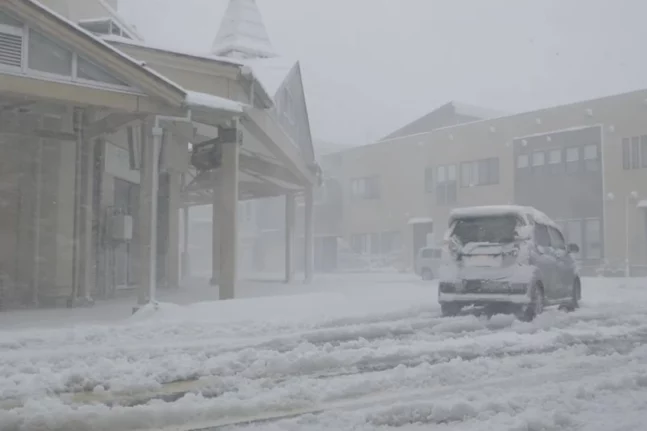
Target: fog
point(418, 214)
point(372, 66)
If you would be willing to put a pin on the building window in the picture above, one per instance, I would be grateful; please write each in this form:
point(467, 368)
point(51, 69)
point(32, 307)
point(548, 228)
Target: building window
point(365, 188)
point(573, 160)
point(591, 158)
point(480, 172)
point(46, 56)
point(446, 184)
point(429, 180)
point(522, 161)
point(91, 72)
point(634, 152)
point(555, 160)
point(573, 232)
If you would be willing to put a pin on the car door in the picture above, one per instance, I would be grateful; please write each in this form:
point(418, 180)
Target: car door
point(564, 262)
point(546, 261)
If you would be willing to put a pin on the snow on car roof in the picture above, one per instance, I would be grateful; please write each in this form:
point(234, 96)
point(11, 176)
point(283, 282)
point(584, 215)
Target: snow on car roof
point(495, 210)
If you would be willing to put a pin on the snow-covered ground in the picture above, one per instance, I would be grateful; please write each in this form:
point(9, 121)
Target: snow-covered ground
point(360, 352)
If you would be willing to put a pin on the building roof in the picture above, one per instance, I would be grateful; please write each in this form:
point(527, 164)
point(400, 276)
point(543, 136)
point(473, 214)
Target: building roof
point(150, 73)
point(449, 114)
point(271, 72)
point(242, 32)
point(114, 14)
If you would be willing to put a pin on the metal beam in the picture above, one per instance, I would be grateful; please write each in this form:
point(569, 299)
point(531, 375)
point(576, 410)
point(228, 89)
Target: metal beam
point(109, 124)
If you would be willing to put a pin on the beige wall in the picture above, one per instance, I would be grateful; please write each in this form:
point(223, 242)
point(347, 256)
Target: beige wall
point(401, 163)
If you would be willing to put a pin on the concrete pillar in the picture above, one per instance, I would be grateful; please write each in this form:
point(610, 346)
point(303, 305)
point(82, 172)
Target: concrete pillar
point(173, 252)
point(228, 214)
point(290, 210)
point(77, 281)
point(186, 259)
point(87, 218)
point(215, 234)
point(309, 235)
point(152, 141)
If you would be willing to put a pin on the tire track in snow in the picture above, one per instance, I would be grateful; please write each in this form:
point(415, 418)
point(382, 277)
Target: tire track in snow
point(172, 392)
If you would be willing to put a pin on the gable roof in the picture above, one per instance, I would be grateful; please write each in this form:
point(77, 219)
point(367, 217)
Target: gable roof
point(134, 72)
point(272, 72)
point(449, 114)
point(242, 32)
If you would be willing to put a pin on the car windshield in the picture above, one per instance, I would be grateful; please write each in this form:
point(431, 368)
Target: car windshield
point(490, 229)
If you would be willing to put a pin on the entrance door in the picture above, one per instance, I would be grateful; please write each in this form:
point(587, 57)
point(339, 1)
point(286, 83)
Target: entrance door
point(126, 256)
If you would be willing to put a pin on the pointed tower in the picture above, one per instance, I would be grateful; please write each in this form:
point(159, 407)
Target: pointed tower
point(242, 33)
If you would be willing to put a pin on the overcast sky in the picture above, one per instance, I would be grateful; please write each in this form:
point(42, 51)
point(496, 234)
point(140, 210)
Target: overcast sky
point(371, 66)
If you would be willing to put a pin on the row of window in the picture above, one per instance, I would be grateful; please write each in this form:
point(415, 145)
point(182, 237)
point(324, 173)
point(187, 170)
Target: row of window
point(42, 54)
point(444, 183)
point(556, 160)
point(376, 243)
point(634, 152)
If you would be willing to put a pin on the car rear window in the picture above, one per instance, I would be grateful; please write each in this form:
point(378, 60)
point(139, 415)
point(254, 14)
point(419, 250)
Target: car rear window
point(490, 229)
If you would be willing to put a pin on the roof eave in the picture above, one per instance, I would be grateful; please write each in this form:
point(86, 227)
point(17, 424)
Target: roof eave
point(157, 85)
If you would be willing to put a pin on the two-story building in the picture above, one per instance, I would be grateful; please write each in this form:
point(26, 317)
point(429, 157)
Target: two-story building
point(584, 164)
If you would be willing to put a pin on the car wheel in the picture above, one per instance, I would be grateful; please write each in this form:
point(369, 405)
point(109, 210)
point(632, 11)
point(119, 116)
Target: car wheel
point(536, 306)
point(450, 310)
point(427, 274)
point(576, 295)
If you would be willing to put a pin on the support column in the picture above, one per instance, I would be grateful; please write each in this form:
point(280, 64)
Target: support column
point(87, 218)
point(173, 253)
point(228, 212)
point(152, 141)
point(215, 234)
point(77, 281)
point(309, 235)
point(290, 209)
point(186, 259)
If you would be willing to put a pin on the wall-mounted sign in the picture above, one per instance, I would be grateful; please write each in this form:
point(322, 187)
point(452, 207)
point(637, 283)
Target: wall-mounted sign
point(117, 162)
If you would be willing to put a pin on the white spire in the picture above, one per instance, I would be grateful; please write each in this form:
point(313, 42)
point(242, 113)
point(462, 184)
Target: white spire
point(242, 33)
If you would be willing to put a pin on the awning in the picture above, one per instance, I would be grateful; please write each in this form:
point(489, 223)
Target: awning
point(420, 220)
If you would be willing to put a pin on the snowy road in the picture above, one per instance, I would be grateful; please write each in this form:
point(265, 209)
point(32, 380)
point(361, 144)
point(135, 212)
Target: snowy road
point(368, 353)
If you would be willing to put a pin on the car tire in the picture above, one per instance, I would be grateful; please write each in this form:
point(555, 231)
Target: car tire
point(536, 306)
point(450, 309)
point(576, 295)
point(427, 274)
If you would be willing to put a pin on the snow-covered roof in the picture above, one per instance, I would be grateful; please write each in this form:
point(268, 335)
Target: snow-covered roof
point(125, 41)
point(420, 220)
point(271, 72)
point(209, 101)
point(498, 210)
point(242, 32)
point(207, 57)
point(140, 64)
point(476, 111)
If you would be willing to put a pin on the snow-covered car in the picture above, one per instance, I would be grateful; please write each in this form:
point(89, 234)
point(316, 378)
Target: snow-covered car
point(511, 258)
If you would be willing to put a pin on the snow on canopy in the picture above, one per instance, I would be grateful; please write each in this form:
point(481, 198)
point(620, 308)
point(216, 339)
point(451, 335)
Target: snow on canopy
point(242, 32)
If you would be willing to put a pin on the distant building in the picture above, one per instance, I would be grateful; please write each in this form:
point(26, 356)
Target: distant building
point(580, 163)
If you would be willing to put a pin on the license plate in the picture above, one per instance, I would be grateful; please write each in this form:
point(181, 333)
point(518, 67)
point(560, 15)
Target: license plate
point(483, 261)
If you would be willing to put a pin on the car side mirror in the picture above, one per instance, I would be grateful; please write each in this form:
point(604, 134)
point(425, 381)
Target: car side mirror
point(573, 248)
